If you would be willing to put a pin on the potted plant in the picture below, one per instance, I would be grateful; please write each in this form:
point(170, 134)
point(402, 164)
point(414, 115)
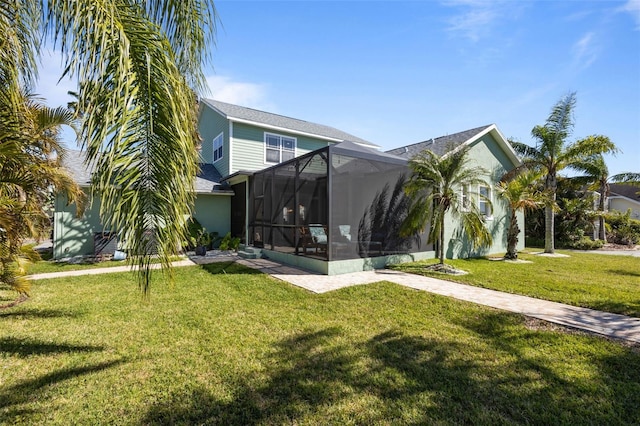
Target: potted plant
point(202, 241)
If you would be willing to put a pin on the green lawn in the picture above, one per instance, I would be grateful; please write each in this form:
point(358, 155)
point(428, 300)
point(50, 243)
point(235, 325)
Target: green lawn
point(239, 347)
point(603, 282)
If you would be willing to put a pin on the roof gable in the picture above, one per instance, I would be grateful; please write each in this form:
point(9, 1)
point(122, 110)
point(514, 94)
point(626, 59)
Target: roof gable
point(444, 145)
point(281, 122)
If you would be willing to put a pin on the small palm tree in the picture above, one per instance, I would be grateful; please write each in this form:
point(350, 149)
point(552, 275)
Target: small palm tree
point(553, 153)
point(596, 175)
point(435, 189)
point(30, 170)
point(521, 194)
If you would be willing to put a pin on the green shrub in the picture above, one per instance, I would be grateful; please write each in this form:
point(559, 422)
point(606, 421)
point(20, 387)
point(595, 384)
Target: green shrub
point(574, 222)
point(586, 243)
point(229, 243)
point(622, 229)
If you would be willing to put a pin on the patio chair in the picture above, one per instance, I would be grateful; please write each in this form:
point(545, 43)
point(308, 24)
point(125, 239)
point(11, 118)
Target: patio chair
point(313, 236)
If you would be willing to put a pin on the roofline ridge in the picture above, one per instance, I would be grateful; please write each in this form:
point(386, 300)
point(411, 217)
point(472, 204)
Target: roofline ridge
point(229, 116)
point(432, 140)
point(273, 113)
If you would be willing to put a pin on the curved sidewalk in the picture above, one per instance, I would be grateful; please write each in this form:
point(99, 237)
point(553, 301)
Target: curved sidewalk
point(605, 323)
point(608, 324)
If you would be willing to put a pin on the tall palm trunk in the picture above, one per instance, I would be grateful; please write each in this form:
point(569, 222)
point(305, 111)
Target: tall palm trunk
point(602, 232)
point(551, 184)
point(441, 245)
point(512, 237)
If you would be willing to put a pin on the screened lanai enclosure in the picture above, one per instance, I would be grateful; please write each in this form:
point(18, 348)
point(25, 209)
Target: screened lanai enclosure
point(341, 202)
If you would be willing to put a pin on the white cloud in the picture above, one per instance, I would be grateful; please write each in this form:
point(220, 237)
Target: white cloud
point(633, 8)
point(250, 95)
point(535, 95)
point(473, 22)
point(585, 50)
point(476, 18)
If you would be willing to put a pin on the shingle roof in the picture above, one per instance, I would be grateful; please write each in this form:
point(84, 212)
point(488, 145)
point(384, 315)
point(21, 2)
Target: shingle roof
point(629, 191)
point(207, 180)
point(231, 111)
point(438, 146)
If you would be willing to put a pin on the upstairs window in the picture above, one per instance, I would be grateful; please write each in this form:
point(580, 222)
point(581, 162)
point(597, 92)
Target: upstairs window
point(279, 148)
point(484, 201)
point(217, 147)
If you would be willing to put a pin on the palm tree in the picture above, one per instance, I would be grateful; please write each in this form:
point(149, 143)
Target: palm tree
point(521, 194)
point(596, 175)
point(139, 67)
point(553, 153)
point(30, 170)
point(435, 188)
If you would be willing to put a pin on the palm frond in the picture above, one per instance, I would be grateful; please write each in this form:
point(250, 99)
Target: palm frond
point(628, 178)
point(560, 121)
point(587, 149)
point(21, 34)
point(525, 150)
point(190, 26)
point(475, 228)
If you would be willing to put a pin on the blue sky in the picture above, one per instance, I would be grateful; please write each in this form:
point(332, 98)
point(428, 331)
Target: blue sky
point(397, 73)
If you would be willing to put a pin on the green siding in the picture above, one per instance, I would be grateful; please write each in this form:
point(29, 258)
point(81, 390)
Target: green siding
point(214, 212)
point(249, 148)
point(73, 236)
point(210, 125)
point(486, 152)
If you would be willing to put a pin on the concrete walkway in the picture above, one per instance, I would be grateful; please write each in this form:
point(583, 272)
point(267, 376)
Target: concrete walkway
point(97, 271)
point(608, 324)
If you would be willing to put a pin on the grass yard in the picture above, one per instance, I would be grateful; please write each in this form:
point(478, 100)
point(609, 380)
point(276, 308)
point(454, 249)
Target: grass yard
point(234, 346)
point(606, 283)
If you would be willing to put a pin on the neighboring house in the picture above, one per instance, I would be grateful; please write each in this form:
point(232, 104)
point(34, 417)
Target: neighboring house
point(488, 149)
point(624, 197)
point(303, 193)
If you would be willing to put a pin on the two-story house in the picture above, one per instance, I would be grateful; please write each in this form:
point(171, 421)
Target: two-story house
point(306, 194)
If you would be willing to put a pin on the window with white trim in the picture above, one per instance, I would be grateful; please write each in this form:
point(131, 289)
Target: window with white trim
point(217, 147)
point(278, 148)
point(484, 201)
point(464, 198)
